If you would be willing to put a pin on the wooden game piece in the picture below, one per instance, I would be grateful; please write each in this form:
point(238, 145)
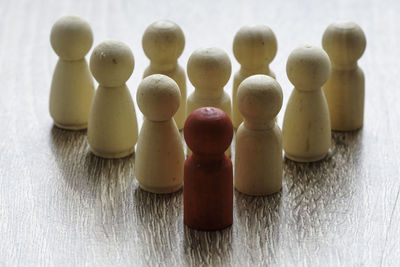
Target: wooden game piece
point(208, 190)
point(345, 43)
point(112, 130)
point(306, 125)
point(209, 69)
point(72, 87)
point(254, 47)
point(163, 42)
point(159, 156)
point(258, 154)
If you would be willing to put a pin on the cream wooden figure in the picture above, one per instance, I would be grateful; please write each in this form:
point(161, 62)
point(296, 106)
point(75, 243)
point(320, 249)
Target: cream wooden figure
point(345, 43)
point(163, 42)
point(209, 69)
point(306, 125)
point(72, 86)
point(112, 130)
point(159, 155)
point(258, 156)
point(254, 47)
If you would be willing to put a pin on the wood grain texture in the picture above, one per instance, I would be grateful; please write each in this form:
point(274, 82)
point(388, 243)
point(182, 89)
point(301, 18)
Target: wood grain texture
point(62, 206)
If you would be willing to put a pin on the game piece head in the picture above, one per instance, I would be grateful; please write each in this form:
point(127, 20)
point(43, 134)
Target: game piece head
point(259, 98)
point(163, 42)
point(112, 63)
point(71, 37)
point(254, 46)
point(208, 130)
point(158, 97)
point(308, 67)
point(344, 42)
point(209, 67)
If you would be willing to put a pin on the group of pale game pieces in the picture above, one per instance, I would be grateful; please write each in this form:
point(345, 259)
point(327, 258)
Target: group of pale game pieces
point(205, 116)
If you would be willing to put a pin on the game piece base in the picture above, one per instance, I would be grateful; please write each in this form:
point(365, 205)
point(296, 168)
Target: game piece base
point(112, 155)
point(161, 190)
point(304, 159)
point(73, 127)
point(194, 227)
point(258, 194)
point(346, 129)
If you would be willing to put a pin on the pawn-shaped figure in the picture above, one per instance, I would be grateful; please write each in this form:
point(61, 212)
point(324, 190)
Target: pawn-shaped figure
point(163, 42)
point(258, 156)
point(159, 154)
point(72, 86)
point(345, 43)
point(306, 125)
point(254, 47)
point(209, 70)
point(208, 190)
point(112, 130)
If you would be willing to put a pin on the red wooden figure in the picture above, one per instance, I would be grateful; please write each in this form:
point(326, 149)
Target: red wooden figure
point(208, 176)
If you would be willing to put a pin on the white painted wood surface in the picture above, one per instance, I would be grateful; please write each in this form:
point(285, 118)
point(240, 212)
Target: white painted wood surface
point(62, 206)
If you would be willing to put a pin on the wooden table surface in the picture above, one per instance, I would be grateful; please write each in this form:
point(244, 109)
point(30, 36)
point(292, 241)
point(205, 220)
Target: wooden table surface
point(62, 206)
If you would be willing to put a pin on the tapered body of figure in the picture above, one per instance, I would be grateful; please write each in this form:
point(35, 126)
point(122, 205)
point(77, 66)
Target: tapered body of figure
point(306, 125)
point(208, 190)
point(112, 129)
point(72, 87)
point(258, 151)
point(159, 155)
point(345, 42)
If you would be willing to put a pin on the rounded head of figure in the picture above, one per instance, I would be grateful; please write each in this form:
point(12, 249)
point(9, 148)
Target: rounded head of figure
point(344, 42)
point(163, 42)
point(254, 46)
point(71, 37)
point(308, 68)
point(259, 98)
point(209, 68)
point(158, 97)
point(208, 130)
point(112, 63)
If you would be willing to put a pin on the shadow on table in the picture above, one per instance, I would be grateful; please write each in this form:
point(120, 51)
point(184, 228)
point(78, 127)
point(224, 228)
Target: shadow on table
point(91, 176)
point(164, 208)
point(348, 144)
point(258, 223)
point(257, 210)
point(159, 225)
point(319, 196)
point(94, 186)
point(208, 248)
